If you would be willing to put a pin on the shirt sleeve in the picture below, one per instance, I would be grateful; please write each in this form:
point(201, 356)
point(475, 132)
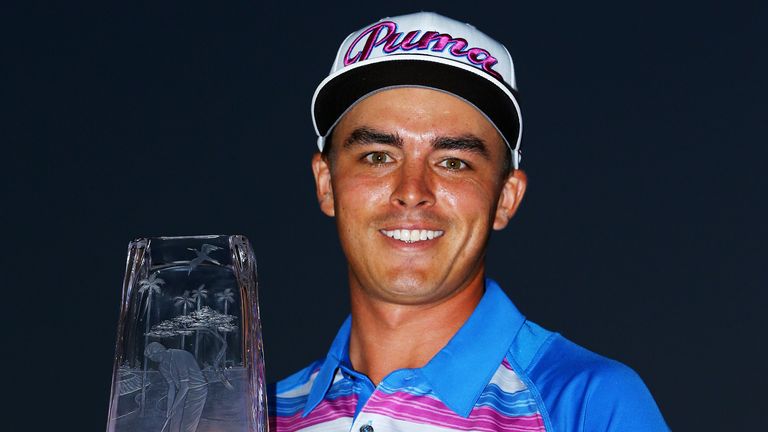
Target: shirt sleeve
point(618, 400)
point(585, 392)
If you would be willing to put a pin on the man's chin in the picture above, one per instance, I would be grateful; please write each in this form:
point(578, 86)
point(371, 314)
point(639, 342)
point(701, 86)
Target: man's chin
point(410, 290)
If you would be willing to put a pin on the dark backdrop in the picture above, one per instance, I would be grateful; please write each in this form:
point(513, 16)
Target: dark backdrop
point(642, 235)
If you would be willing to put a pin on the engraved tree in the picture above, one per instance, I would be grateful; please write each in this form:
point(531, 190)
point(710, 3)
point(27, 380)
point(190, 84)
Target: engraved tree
point(226, 297)
point(149, 286)
point(198, 295)
point(184, 300)
point(205, 320)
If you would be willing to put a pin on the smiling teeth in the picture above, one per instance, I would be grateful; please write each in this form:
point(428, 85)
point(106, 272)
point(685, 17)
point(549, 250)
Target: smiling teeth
point(412, 236)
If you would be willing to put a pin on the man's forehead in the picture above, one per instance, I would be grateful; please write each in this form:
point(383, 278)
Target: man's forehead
point(415, 110)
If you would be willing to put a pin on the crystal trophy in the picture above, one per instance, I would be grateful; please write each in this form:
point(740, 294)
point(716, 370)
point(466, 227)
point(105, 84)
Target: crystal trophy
point(189, 353)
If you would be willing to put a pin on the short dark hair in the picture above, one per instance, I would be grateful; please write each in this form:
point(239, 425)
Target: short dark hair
point(326, 152)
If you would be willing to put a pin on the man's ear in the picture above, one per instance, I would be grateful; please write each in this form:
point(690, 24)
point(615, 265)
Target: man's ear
point(511, 194)
point(322, 172)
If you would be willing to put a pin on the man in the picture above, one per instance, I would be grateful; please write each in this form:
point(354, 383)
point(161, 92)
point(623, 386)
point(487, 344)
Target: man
point(187, 388)
point(420, 130)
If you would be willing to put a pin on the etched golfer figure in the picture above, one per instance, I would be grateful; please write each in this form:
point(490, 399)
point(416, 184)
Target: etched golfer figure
point(187, 387)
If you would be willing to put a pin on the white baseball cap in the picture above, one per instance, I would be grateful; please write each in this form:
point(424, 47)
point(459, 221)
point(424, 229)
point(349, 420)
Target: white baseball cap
point(422, 49)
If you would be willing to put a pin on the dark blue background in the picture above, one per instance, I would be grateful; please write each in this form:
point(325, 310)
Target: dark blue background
point(642, 236)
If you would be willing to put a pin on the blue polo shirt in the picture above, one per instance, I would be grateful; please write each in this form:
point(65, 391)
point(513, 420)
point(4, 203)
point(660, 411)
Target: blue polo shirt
point(499, 372)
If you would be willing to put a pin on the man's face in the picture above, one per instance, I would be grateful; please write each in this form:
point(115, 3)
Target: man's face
point(415, 182)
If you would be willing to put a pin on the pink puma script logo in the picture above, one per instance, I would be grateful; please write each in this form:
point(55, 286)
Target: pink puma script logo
point(386, 33)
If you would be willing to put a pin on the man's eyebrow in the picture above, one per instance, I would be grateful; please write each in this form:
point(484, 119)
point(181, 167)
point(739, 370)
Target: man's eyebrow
point(366, 135)
point(468, 143)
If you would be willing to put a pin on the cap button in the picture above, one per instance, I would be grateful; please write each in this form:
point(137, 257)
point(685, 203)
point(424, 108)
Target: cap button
point(366, 428)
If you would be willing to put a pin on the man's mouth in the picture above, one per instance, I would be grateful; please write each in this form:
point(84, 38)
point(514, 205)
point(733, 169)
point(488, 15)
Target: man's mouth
point(412, 236)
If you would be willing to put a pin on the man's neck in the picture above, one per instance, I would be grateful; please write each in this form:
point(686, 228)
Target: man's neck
point(386, 337)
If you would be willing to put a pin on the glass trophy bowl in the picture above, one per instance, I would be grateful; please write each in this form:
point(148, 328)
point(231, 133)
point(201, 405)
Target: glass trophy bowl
point(189, 353)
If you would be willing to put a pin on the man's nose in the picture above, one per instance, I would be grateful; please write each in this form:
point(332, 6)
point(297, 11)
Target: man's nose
point(414, 187)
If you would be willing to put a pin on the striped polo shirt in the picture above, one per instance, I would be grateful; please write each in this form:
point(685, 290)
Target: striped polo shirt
point(499, 372)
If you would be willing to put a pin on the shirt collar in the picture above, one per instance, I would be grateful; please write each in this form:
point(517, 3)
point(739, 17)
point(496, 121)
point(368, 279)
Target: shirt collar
point(336, 355)
point(463, 368)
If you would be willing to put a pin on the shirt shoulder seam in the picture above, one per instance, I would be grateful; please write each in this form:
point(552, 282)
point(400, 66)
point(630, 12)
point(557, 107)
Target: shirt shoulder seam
point(523, 375)
point(540, 352)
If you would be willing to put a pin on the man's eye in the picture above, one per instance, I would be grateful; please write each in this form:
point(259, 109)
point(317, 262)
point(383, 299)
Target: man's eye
point(378, 158)
point(453, 164)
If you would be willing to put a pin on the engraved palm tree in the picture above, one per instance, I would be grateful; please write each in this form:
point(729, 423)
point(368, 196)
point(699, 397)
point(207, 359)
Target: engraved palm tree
point(198, 295)
point(184, 300)
point(226, 297)
point(150, 286)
